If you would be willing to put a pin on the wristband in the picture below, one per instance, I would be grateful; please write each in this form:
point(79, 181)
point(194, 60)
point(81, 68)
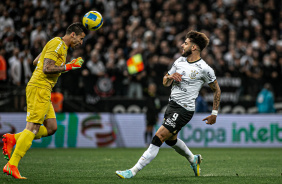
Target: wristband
point(214, 112)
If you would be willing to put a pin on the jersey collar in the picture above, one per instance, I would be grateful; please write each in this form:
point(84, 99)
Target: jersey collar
point(193, 62)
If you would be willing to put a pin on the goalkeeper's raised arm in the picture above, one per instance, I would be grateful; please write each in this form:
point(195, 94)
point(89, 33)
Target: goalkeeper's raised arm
point(49, 66)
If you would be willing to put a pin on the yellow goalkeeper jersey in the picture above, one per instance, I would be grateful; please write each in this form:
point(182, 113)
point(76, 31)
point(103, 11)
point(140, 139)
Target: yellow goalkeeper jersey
point(56, 50)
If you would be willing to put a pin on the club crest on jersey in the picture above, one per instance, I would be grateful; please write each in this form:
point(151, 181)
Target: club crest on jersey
point(193, 74)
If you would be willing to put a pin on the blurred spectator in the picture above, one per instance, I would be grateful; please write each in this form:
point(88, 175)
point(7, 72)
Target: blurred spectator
point(265, 100)
point(135, 88)
point(3, 67)
point(152, 114)
point(14, 59)
point(20, 70)
point(95, 65)
point(5, 21)
point(95, 69)
point(38, 33)
point(255, 79)
point(117, 70)
point(20, 74)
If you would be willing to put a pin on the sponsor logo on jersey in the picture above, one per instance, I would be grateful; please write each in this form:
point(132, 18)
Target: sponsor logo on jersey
point(193, 74)
point(169, 122)
point(199, 66)
point(185, 82)
point(59, 46)
point(176, 86)
point(209, 75)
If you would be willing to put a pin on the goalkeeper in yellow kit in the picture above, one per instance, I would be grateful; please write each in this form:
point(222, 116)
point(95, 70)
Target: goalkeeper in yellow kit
point(50, 64)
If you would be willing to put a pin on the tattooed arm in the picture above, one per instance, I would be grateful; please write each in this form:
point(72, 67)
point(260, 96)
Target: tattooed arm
point(216, 94)
point(49, 67)
point(216, 101)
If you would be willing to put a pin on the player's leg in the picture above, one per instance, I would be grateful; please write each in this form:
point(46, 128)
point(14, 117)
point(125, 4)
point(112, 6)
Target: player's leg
point(180, 147)
point(49, 128)
point(161, 135)
point(181, 117)
point(177, 117)
point(49, 125)
point(23, 144)
point(38, 104)
point(9, 140)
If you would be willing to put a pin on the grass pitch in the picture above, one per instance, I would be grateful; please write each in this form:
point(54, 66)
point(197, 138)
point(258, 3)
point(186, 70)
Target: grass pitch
point(234, 165)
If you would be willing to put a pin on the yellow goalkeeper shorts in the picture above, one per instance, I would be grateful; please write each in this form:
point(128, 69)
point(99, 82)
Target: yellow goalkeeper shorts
point(39, 106)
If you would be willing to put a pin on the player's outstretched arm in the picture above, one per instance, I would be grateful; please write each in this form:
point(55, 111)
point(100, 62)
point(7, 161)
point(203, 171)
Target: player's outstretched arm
point(49, 66)
point(168, 79)
point(35, 61)
point(216, 101)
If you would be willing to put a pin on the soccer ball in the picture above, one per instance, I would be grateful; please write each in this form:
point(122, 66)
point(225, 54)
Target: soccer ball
point(92, 20)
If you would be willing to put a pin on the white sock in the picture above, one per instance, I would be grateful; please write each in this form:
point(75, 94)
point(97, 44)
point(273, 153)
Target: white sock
point(145, 159)
point(181, 148)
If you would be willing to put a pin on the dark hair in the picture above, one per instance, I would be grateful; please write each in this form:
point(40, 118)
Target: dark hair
point(198, 38)
point(77, 28)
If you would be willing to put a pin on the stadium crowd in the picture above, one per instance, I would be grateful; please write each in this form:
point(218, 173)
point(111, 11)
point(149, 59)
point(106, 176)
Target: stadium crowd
point(245, 41)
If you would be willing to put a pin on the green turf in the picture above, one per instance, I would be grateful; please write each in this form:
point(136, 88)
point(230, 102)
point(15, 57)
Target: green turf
point(99, 165)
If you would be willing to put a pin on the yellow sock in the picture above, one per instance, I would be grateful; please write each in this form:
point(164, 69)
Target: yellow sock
point(23, 144)
point(42, 132)
point(18, 135)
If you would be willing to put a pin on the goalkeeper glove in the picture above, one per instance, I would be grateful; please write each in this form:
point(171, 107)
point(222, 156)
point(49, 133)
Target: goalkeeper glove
point(74, 64)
